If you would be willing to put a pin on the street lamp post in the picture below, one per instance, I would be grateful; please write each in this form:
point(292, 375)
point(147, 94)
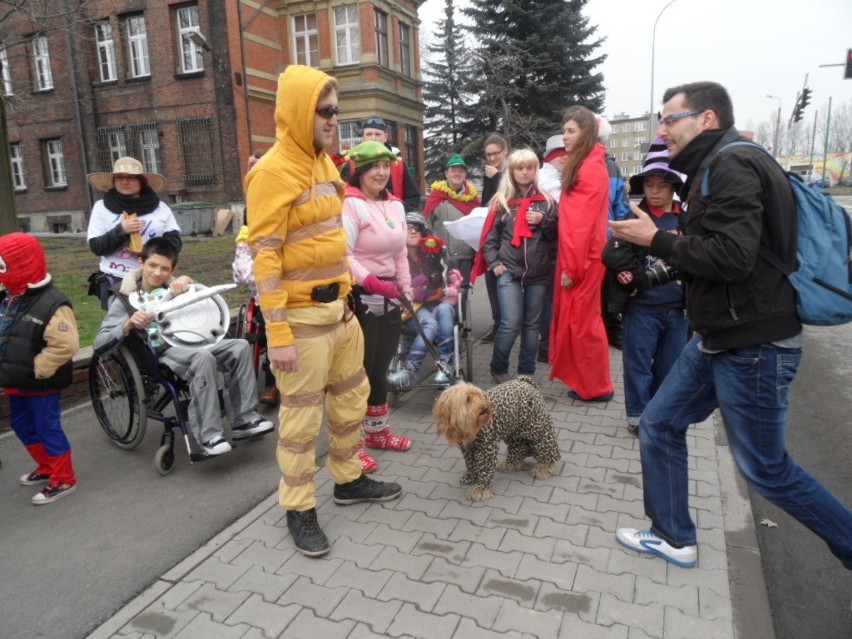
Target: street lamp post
point(777, 126)
point(653, 50)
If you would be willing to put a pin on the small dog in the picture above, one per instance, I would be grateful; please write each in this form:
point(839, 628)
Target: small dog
point(477, 420)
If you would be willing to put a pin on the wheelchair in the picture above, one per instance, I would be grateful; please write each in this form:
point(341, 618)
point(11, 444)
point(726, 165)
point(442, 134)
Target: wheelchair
point(462, 369)
point(251, 327)
point(129, 385)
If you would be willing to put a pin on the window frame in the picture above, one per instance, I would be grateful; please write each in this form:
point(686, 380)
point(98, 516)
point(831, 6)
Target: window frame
point(105, 51)
point(138, 58)
point(42, 73)
point(6, 72)
point(306, 40)
point(349, 132)
point(405, 66)
point(188, 48)
point(352, 39)
point(382, 38)
point(54, 155)
point(16, 159)
point(198, 131)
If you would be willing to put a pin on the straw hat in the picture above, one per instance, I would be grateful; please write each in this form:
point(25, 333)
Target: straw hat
point(125, 166)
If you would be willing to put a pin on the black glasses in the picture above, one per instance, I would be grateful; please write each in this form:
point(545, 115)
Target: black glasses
point(328, 112)
point(674, 117)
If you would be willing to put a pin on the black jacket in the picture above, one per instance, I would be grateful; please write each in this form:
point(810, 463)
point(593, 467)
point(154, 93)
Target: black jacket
point(25, 340)
point(735, 298)
point(530, 262)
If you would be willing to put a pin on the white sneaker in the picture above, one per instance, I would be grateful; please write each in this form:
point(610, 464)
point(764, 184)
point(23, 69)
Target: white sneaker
point(257, 426)
point(400, 378)
point(442, 378)
point(216, 446)
point(647, 541)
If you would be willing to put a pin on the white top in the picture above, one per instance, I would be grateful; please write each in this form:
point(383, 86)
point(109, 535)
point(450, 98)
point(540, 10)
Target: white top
point(157, 223)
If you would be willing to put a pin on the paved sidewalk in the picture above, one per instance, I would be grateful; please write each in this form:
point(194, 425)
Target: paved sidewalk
point(539, 559)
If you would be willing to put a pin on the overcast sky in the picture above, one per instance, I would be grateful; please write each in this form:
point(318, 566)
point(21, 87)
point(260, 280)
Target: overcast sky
point(753, 47)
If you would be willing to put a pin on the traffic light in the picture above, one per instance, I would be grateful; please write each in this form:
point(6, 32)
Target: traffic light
point(806, 98)
point(848, 73)
point(801, 102)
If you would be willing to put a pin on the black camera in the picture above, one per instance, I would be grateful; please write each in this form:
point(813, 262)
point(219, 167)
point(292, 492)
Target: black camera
point(326, 294)
point(660, 274)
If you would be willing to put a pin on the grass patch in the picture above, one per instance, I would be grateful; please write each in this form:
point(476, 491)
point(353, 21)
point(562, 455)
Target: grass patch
point(70, 262)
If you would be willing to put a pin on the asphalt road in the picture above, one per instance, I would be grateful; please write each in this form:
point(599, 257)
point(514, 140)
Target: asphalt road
point(809, 590)
point(68, 566)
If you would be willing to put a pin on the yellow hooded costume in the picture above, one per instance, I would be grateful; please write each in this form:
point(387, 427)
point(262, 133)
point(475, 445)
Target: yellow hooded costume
point(295, 196)
point(295, 199)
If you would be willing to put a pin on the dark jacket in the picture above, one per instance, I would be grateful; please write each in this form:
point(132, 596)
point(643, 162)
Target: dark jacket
point(531, 262)
point(628, 282)
point(735, 298)
point(489, 186)
point(25, 340)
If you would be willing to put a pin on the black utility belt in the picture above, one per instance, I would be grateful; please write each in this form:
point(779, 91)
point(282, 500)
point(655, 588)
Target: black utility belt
point(326, 294)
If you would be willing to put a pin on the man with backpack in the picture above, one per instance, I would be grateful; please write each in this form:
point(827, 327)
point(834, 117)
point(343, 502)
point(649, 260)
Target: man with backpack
point(748, 335)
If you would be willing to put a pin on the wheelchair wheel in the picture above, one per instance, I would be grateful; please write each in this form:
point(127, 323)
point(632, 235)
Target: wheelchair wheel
point(466, 336)
point(164, 460)
point(117, 393)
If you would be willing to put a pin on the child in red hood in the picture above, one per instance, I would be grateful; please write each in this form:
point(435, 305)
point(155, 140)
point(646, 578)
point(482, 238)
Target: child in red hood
point(38, 338)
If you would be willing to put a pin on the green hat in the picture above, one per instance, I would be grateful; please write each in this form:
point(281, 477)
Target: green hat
point(369, 152)
point(456, 160)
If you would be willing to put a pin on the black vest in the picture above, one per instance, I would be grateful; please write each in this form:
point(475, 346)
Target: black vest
point(25, 340)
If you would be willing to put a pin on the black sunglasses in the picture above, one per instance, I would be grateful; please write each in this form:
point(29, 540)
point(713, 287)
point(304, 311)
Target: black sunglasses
point(328, 112)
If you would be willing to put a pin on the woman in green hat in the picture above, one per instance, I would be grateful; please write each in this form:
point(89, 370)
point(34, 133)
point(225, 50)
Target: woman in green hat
point(375, 227)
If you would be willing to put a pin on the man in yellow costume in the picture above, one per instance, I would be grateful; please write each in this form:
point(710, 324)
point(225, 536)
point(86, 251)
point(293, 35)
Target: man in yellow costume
point(315, 344)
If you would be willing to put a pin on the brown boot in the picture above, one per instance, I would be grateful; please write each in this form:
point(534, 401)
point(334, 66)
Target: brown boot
point(270, 396)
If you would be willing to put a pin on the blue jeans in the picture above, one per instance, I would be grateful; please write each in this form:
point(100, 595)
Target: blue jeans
point(651, 345)
point(437, 321)
point(520, 312)
point(751, 386)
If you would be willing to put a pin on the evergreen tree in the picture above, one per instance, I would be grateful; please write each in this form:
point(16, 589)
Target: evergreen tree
point(446, 93)
point(535, 58)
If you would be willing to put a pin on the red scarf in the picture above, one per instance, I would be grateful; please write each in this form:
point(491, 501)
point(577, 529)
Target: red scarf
point(437, 196)
point(522, 227)
point(656, 211)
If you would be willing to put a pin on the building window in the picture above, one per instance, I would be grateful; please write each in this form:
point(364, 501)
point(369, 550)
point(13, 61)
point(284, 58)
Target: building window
point(137, 47)
point(625, 142)
point(5, 72)
point(347, 32)
point(349, 134)
point(191, 54)
point(411, 151)
point(307, 39)
point(41, 64)
point(405, 49)
point(641, 125)
point(615, 128)
point(147, 146)
point(16, 156)
point(382, 38)
point(638, 156)
point(106, 51)
point(391, 132)
point(55, 165)
point(197, 149)
point(625, 157)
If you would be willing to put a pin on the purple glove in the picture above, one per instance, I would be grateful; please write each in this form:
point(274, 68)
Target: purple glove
point(418, 287)
point(375, 286)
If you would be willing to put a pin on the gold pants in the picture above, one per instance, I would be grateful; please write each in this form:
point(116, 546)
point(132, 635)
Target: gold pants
point(331, 374)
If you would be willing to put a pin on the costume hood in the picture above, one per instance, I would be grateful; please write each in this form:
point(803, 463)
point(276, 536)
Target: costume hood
point(299, 88)
point(22, 262)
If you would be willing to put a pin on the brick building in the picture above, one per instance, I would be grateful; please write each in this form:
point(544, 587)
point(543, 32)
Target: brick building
point(188, 87)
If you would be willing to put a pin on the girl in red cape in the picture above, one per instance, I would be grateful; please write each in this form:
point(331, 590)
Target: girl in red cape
point(579, 350)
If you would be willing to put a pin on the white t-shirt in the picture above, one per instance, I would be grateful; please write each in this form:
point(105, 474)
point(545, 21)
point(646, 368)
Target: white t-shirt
point(157, 223)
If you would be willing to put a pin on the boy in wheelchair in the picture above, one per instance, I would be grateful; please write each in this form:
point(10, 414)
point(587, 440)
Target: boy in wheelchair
point(434, 298)
point(196, 365)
